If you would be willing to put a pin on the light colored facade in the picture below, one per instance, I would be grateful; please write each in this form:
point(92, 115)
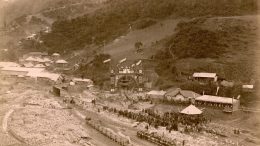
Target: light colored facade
point(217, 101)
point(205, 77)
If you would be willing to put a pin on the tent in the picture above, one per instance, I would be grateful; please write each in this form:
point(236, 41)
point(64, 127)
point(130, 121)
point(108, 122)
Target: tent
point(191, 110)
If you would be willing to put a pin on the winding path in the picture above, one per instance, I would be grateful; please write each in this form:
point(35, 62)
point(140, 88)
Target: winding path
point(5, 120)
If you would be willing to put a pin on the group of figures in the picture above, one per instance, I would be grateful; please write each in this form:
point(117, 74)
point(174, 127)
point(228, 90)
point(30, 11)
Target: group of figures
point(170, 120)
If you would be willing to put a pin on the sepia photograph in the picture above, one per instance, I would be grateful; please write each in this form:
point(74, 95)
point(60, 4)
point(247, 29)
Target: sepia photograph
point(129, 73)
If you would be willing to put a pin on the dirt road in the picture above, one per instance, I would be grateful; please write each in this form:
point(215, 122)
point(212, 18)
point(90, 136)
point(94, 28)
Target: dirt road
point(118, 126)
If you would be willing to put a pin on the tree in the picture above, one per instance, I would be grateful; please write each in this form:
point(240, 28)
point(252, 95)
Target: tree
point(138, 46)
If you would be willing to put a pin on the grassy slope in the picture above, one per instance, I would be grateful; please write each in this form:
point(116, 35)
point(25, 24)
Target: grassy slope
point(241, 40)
point(112, 21)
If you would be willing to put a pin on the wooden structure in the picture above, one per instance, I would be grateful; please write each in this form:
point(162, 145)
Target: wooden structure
point(126, 76)
point(218, 102)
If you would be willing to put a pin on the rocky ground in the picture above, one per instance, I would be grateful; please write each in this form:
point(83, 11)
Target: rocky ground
point(31, 115)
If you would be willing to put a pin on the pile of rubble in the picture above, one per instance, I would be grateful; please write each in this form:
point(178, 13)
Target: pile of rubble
point(42, 122)
point(43, 102)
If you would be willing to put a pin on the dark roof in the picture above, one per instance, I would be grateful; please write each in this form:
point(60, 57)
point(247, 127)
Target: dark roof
point(185, 93)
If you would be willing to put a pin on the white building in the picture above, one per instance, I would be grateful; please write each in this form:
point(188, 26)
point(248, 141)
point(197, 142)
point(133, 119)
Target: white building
point(180, 95)
point(217, 101)
point(82, 81)
point(16, 71)
point(155, 95)
point(8, 64)
point(205, 77)
point(61, 63)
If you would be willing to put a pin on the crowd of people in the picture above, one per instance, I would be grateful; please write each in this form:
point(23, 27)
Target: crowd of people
point(170, 120)
point(159, 140)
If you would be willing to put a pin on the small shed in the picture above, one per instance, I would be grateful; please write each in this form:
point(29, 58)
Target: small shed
point(248, 88)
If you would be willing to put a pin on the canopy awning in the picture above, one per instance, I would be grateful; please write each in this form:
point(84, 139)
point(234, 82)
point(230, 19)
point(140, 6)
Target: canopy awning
point(191, 110)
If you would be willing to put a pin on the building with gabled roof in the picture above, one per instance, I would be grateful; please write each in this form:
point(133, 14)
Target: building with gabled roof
point(177, 94)
point(205, 77)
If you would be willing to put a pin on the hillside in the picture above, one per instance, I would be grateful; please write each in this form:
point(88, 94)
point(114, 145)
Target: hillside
point(160, 25)
point(25, 17)
point(114, 20)
point(18, 8)
point(228, 50)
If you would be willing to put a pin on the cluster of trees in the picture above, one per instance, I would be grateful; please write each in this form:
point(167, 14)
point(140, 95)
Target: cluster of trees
point(96, 70)
point(191, 40)
point(114, 19)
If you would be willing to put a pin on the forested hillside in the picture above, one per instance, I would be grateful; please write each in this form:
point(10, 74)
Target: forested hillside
point(114, 20)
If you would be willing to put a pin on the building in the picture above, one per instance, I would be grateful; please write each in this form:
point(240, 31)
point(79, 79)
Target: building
point(205, 77)
point(61, 63)
point(31, 37)
point(55, 56)
point(155, 95)
point(248, 88)
point(219, 102)
point(81, 81)
point(176, 94)
point(8, 64)
point(22, 71)
point(44, 76)
point(35, 54)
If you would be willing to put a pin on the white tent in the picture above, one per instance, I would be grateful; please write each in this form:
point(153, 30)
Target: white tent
point(191, 110)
